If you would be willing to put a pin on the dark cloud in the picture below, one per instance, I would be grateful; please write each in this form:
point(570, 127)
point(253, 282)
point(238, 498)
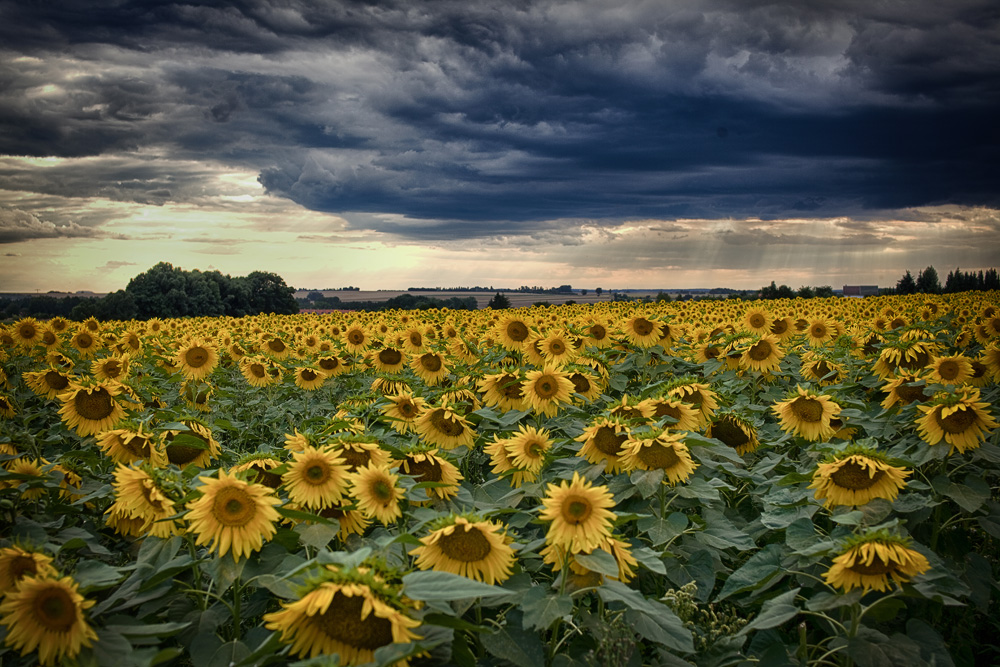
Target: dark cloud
point(465, 118)
point(17, 225)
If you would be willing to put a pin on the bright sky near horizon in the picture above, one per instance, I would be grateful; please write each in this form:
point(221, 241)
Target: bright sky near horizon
point(393, 144)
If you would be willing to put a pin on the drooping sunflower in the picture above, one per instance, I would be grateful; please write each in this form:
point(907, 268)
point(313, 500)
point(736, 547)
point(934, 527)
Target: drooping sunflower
point(308, 378)
point(467, 546)
point(503, 391)
point(582, 577)
point(427, 466)
point(233, 515)
point(641, 331)
point(90, 407)
point(376, 493)
point(959, 418)
point(547, 390)
point(869, 561)
point(16, 563)
point(430, 367)
point(631, 411)
point(350, 615)
point(46, 614)
point(48, 383)
point(196, 359)
point(603, 442)
point(316, 478)
point(905, 389)
point(402, 411)
point(903, 355)
point(684, 417)
point(735, 431)
point(857, 476)
point(257, 469)
point(192, 446)
point(139, 496)
point(659, 450)
point(807, 414)
point(359, 451)
point(443, 427)
point(580, 514)
point(818, 368)
point(955, 369)
point(696, 393)
point(352, 521)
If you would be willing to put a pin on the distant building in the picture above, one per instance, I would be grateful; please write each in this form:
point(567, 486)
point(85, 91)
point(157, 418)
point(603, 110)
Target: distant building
point(858, 291)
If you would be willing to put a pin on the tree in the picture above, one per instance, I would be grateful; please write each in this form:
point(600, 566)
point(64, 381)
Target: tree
point(906, 285)
point(805, 292)
point(824, 291)
point(270, 294)
point(498, 302)
point(314, 296)
point(663, 296)
point(598, 291)
point(928, 282)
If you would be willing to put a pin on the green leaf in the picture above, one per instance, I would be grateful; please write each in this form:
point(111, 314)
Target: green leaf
point(431, 585)
point(599, 561)
point(852, 518)
point(317, 535)
point(775, 612)
point(516, 645)
point(647, 481)
point(92, 575)
point(228, 654)
point(542, 606)
point(757, 571)
point(661, 531)
point(649, 559)
point(656, 621)
point(298, 515)
point(280, 586)
point(141, 631)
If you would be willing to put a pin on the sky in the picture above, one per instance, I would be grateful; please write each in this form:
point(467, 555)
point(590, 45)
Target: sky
point(627, 144)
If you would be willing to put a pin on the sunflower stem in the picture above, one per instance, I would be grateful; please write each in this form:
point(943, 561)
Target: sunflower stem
point(237, 608)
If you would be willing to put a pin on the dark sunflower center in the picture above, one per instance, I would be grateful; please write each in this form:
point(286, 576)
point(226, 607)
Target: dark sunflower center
point(730, 433)
point(667, 410)
point(55, 380)
point(818, 331)
point(807, 409)
point(390, 356)
point(557, 347)
point(581, 384)
point(181, 455)
point(445, 424)
point(609, 442)
point(317, 473)
point(233, 507)
point(779, 327)
point(853, 476)
point(468, 546)
point(425, 470)
point(356, 458)
point(258, 370)
point(822, 369)
point(919, 360)
point(511, 388)
point(760, 351)
point(196, 357)
point(875, 568)
point(642, 327)
point(21, 566)
point(27, 331)
point(329, 363)
point(517, 332)
point(112, 368)
point(49, 338)
point(342, 621)
point(546, 386)
point(430, 362)
point(406, 408)
point(597, 332)
point(382, 491)
point(95, 405)
point(949, 369)
point(54, 610)
point(84, 340)
point(276, 345)
point(576, 510)
point(264, 476)
point(308, 375)
point(711, 352)
point(909, 393)
point(757, 320)
point(959, 421)
point(658, 457)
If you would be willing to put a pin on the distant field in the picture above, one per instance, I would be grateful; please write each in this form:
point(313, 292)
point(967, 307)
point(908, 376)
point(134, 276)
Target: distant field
point(517, 299)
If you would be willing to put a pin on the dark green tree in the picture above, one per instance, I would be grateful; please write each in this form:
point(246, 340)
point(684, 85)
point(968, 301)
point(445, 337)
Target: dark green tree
point(270, 294)
point(824, 291)
point(906, 285)
point(499, 301)
point(928, 282)
point(805, 292)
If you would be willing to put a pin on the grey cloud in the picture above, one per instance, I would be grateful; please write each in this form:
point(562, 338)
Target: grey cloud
point(17, 226)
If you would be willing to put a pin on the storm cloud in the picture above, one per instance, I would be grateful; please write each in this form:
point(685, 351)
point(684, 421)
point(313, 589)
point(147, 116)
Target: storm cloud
point(465, 119)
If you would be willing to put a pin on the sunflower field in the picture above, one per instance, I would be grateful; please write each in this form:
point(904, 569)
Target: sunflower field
point(796, 482)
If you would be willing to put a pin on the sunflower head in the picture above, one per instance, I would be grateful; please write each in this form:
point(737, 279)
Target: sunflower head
point(856, 476)
point(466, 545)
point(869, 561)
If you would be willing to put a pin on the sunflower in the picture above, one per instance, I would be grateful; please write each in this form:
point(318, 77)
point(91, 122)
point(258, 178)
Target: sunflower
point(427, 466)
point(905, 389)
point(762, 354)
point(90, 406)
point(706, 350)
point(443, 427)
point(468, 547)
point(316, 478)
point(110, 368)
point(959, 418)
point(26, 332)
point(48, 383)
point(186, 450)
point(274, 347)
point(513, 332)
point(587, 385)
point(356, 338)
point(632, 412)
point(757, 320)
point(503, 464)
point(818, 368)
point(413, 339)
point(597, 334)
point(867, 562)
point(733, 430)
point(359, 451)
point(579, 575)
point(641, 331)
point(547, 390)
point(856, 477)
point(352, 521)
point(683, 416)
point(257, 469)
point(661, 450)
point(807, 414)
point(46, 614)
point(139, 496)
point(820, 331)
point(580, 514)
point(389, 360)
point(17, 563)
point(956, 369)
point(503, 391)
point(259, 372)
point(557, 348)
point(346, 617)
point(197, 359)
point(696, 393)
point(430, 367)
point(308, 378)
point(402, 411)
point(527, 448)
point(375, 491)
point(387, 385)
point(902, 356)
point(332, 365)
point(233, 514)
point(603, 441)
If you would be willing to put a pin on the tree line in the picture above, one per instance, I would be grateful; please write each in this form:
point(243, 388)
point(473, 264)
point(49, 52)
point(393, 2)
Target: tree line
point(169, 291)
point(316, 300)
point(928, 282)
